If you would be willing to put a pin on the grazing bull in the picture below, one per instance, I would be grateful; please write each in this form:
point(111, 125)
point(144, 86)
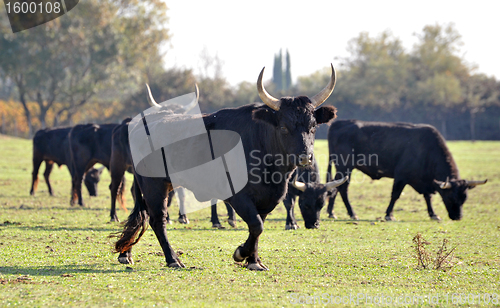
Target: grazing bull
point(411, 154)
point(88, 144)
point(277, 137)
point(312, 196)
point(51, 145)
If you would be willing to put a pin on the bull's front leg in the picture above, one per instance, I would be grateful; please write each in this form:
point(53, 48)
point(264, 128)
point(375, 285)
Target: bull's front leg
point(430, 210)
point(291, 222)
point(249, 250)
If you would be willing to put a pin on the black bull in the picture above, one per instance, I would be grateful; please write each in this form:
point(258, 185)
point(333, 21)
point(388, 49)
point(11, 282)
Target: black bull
point(411, 154)
point(51, 145)
point(121, 161)
point(283, 128)
point(88, 144)
point(306, 185)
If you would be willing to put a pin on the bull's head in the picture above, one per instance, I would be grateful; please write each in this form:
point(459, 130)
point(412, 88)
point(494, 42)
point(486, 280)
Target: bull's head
point(454, 194)
point(312, 199)
point(91, 179)
point(295, 119)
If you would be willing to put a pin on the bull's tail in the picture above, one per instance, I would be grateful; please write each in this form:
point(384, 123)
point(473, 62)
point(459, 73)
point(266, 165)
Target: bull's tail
point(329, 171)
point(120, 195)
point(136, 224)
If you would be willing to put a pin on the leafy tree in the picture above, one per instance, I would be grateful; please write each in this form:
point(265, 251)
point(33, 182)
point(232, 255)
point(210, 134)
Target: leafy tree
point(278, 72)
point(479, 92)
point(99, 48)
point(438, 71)
point(288, 72)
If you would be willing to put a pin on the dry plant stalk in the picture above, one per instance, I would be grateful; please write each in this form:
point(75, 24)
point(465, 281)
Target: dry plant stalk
point(422, 256)
point(442, 261)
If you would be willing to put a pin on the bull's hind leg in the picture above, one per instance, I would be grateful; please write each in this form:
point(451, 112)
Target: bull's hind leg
point(157, 208)
point(214, 217)
point(430, 210)
point(46, 174)
point(116, 187)
point(158, 222)
point(331, 203)
point(231, 214)
point(397, 188)
point(181, 194)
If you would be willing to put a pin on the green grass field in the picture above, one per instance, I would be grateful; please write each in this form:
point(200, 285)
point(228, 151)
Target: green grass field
point(52, 254)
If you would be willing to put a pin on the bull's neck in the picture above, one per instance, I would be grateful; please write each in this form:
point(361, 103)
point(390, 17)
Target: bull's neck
point(446, 167)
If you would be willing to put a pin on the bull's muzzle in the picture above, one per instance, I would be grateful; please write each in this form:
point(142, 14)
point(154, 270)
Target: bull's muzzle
point(305, 160)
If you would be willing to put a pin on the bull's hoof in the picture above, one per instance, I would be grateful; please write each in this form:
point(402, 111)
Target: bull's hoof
point(436, 217)
point(114, 219)
point(332, 216)
point(169, 221)
point(218, 226)
point(257, 267)
point(183, 220)
point(232, 222)
point(177, 264)
point(237, 255)
point(291, 227)
point(126, 260)
point(389, 218)
point(354, 217)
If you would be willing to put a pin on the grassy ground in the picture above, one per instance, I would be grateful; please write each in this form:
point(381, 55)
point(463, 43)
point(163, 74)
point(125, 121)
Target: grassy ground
point(52, 254)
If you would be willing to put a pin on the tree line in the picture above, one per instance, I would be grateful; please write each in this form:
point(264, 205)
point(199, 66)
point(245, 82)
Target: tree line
point(69, 71)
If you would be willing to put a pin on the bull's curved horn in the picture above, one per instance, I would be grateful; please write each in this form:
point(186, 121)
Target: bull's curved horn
point(194, 102)
point(333, 184)
point(272, 102)
point(322, 96)
point(299, 185)
point(445, 185)
point(151, 100)
point(475, 183)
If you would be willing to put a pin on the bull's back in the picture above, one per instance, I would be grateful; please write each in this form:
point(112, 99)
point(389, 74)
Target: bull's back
point(52, 145)
point(380, 149)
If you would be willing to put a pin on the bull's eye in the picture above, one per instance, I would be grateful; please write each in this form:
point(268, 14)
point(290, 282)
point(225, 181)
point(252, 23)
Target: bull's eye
point(284, 130)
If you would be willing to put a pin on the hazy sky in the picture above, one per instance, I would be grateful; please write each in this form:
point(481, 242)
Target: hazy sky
point(247, 34)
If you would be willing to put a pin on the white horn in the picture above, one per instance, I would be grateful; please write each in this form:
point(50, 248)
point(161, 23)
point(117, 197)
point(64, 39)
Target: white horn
point(333, 184)
point(322, 96)
point(194, 102)
point(272, 102)
point(299, 185)
point(475, 183)
point(151, 100)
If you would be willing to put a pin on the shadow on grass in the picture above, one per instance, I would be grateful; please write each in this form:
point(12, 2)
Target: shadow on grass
point(55, 270)
point(59, 228)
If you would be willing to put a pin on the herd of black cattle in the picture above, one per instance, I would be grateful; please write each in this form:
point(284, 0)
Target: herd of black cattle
point(414, 155)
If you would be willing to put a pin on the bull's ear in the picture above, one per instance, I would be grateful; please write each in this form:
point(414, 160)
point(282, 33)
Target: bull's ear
point(265, 115)
point(325, 114)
